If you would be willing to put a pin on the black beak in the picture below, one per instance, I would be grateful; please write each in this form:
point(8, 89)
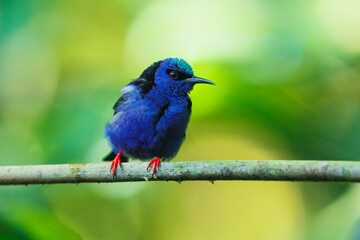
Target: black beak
point(195, 80)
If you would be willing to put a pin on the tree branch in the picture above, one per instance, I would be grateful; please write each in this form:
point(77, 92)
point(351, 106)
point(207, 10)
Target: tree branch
point(274, 170)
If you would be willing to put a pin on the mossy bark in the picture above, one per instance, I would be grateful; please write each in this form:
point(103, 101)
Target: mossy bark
point(272, 170)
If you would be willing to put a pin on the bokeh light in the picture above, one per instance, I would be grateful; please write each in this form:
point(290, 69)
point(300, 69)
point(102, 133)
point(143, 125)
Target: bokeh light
point(287, 80)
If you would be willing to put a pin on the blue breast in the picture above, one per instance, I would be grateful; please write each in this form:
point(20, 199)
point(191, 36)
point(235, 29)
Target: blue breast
point(144, 129)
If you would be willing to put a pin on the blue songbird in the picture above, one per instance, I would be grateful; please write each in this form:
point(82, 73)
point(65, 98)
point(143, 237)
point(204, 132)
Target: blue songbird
point(152, 114)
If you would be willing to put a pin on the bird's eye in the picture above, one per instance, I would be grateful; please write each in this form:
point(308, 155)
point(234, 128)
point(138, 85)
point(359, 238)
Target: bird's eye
point(174, 75)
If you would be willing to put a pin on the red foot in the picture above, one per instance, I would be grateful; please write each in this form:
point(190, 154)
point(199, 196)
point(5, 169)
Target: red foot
point(156, 163)
point(116, 162)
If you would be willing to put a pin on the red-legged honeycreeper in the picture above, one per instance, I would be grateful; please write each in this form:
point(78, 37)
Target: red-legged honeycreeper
point(152, 114)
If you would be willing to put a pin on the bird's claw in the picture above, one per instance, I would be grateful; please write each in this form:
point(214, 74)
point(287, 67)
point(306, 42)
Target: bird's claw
point(115, 163)
point(157, 164)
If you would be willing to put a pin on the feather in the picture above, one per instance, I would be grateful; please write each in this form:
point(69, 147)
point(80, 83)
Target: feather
point(153, 112)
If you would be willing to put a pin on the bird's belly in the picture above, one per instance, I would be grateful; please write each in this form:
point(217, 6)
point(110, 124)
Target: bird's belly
point(144, 133)
point(132, 132)
point(168, 146)
point(168, 140)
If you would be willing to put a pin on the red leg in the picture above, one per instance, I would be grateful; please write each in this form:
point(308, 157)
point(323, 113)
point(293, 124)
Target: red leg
point(157, 164)
point(116, 162)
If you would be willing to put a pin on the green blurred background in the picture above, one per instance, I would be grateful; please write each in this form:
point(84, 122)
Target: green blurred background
point(288, 84)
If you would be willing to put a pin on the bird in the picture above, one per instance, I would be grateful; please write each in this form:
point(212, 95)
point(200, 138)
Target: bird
point(152, 114)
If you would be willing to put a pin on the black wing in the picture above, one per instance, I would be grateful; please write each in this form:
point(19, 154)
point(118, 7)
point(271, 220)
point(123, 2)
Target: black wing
point(144, 83)
point(138, 84)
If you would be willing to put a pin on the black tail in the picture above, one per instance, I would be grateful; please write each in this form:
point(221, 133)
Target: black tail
point(111, 156)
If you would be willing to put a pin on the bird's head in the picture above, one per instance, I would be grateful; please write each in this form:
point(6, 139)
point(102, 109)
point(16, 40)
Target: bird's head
point(174, 75)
